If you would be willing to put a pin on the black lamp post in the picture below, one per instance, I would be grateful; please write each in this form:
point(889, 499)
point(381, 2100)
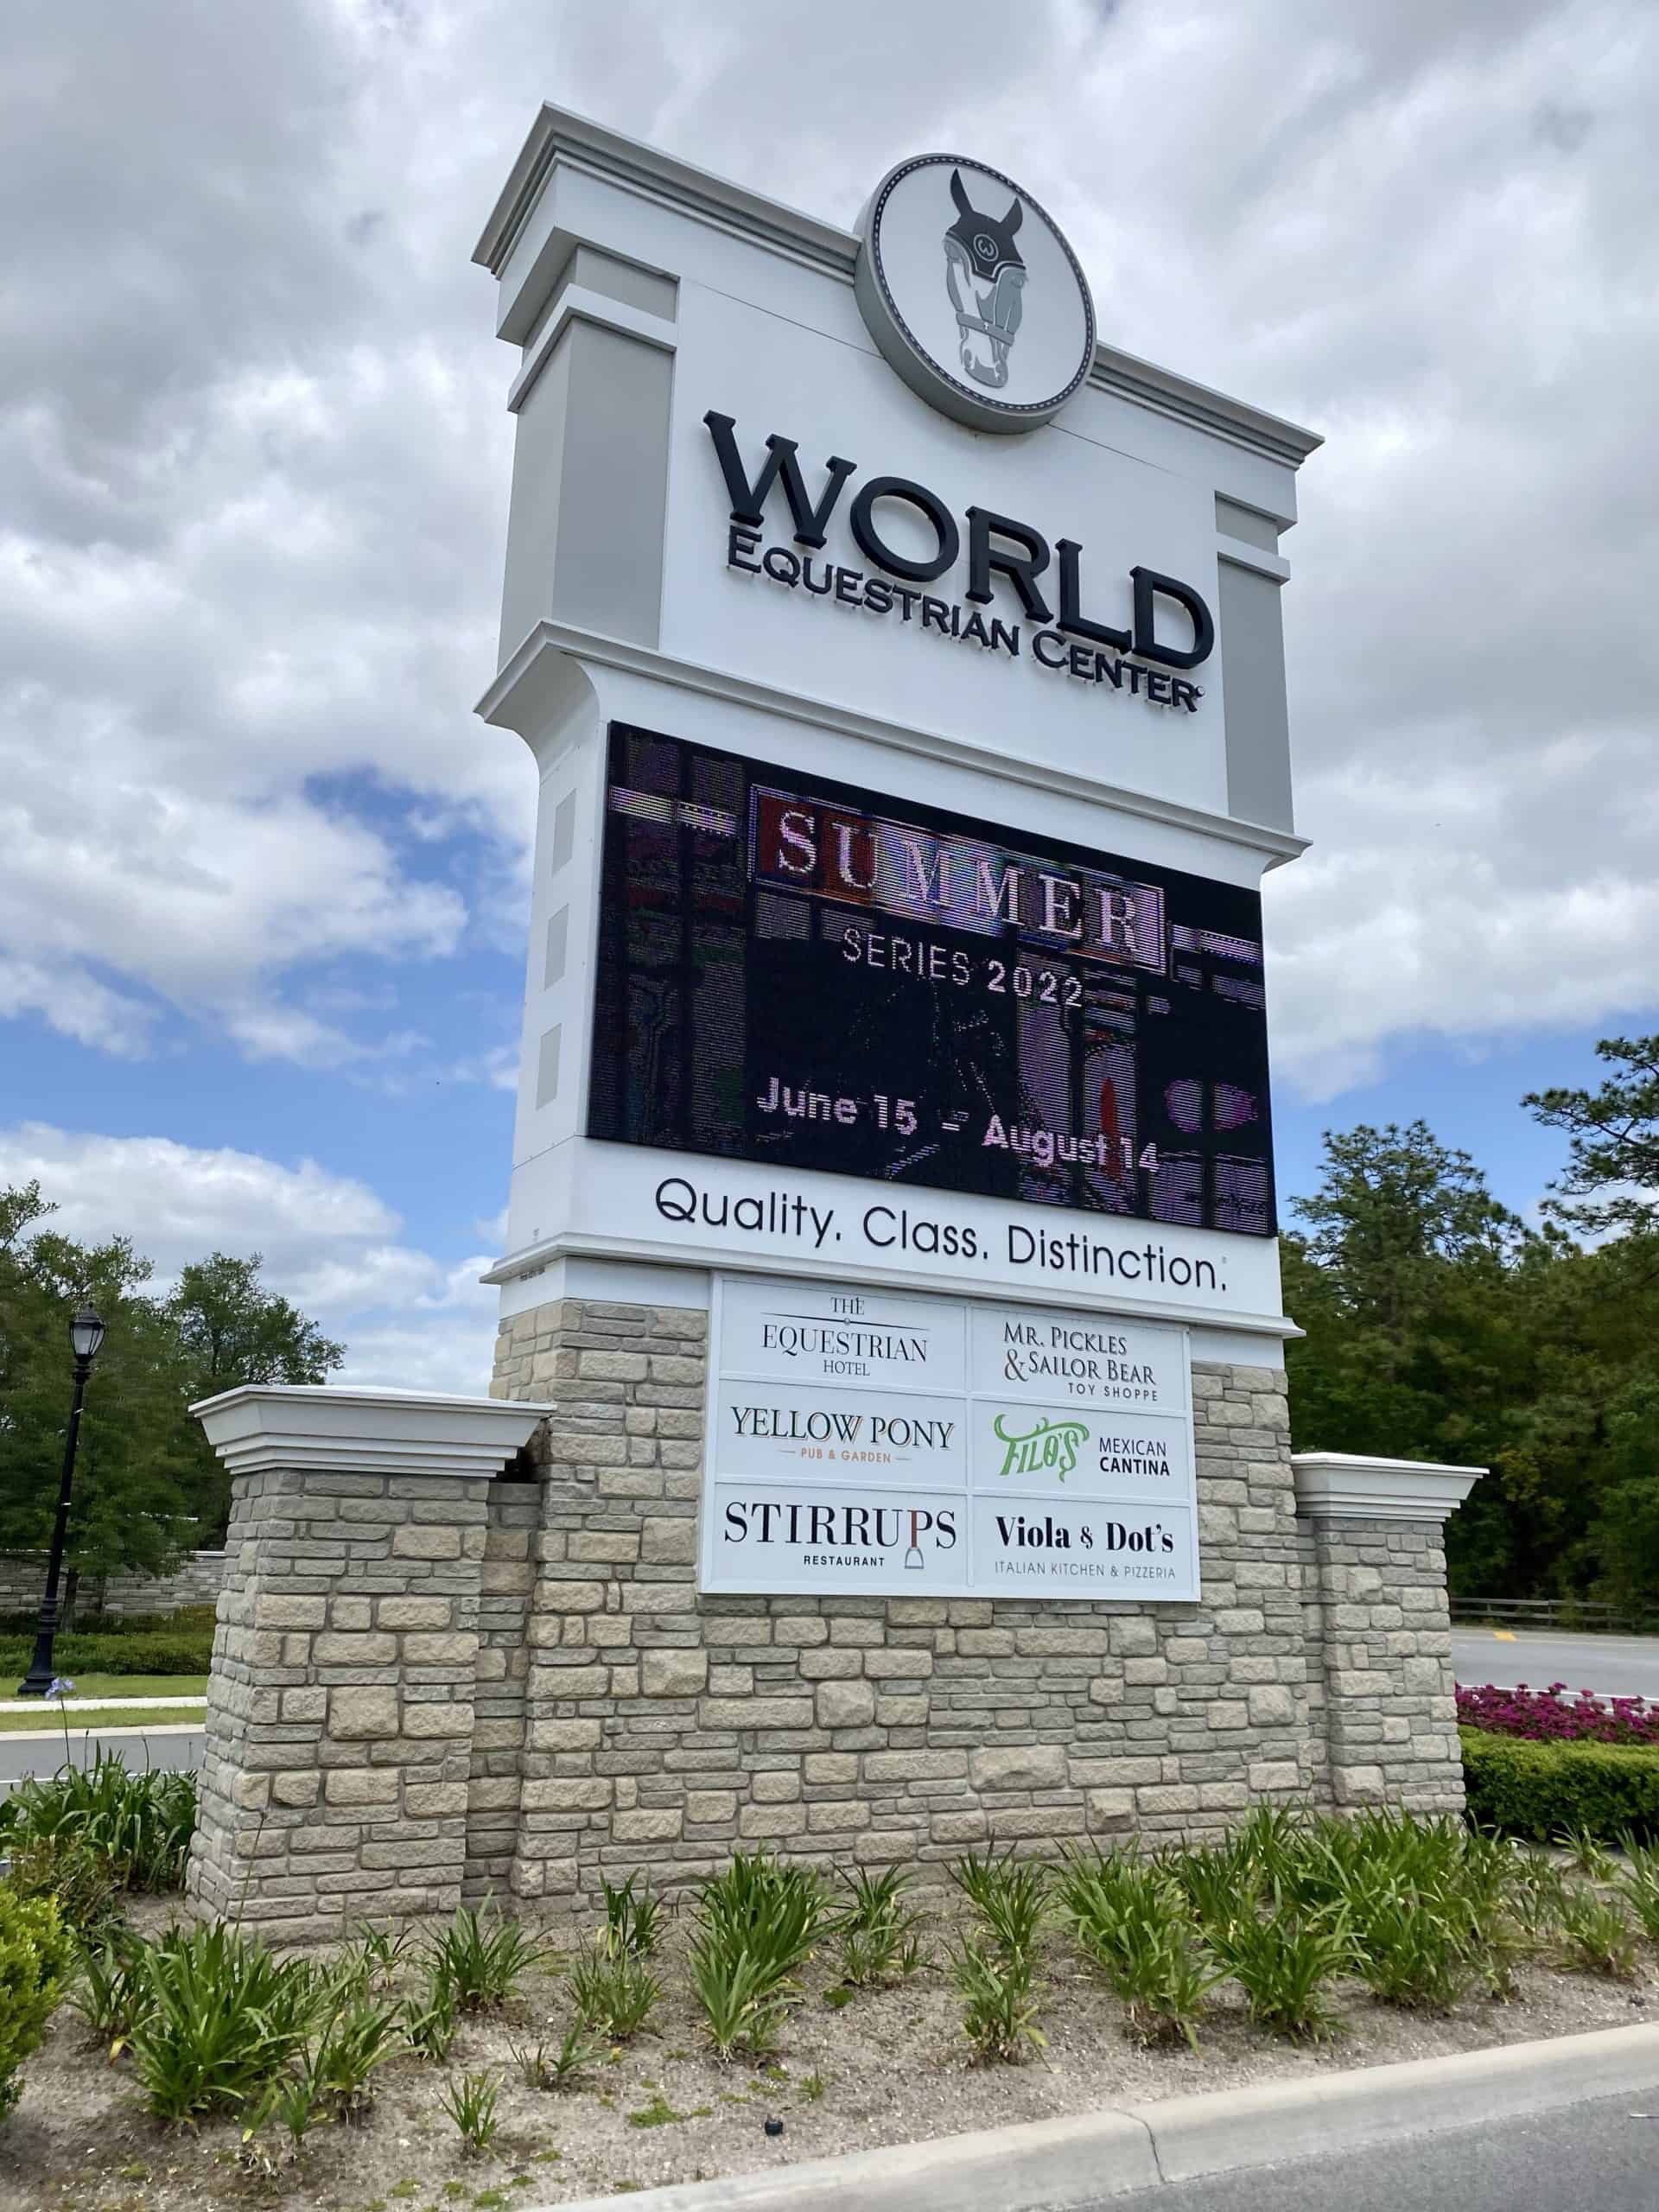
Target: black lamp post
point(86, 1335)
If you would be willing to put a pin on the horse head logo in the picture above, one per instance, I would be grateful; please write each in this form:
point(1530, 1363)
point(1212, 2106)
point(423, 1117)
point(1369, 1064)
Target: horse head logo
point(985, 277)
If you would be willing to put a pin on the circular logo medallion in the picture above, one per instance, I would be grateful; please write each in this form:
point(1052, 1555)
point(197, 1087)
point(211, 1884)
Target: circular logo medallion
point(973, 295)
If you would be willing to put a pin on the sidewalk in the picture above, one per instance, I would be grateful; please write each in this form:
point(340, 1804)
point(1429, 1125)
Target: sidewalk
point(1058, 2164)
point(95, 1704)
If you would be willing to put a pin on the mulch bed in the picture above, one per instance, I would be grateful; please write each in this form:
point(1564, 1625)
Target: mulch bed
point(889, 2067)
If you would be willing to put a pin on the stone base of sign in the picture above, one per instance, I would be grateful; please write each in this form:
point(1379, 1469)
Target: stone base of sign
point(344, 1699)
point(430, 1685)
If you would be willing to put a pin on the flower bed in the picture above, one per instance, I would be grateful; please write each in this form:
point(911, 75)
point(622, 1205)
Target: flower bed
point(1547, 1716)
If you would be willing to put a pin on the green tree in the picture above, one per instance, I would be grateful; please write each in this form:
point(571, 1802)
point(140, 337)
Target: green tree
point(1413, 1285)
point(1612, 1182)
point(230, 1329)
point(147, 1485)
point(134, 1469)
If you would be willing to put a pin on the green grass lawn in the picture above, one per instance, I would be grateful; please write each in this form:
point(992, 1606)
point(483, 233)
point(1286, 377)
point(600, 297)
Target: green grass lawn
point(121, 1686)
point(101, 1719)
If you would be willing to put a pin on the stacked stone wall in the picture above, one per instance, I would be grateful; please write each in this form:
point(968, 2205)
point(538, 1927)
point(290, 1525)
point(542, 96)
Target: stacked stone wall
point(339, 1722)
point(1383, 1648)
point(663, 1729)
point(430, 1685)
point(195, 1579)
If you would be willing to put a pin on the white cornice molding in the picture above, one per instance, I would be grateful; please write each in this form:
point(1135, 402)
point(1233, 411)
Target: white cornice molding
point(263, 1428)
point(1348, 1486)
point(558, 136)
point(519, 700)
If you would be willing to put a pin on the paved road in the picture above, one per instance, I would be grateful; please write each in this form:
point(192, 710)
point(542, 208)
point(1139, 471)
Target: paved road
point(1612, 1666)
point(42, 1753)
point(1585, 2157)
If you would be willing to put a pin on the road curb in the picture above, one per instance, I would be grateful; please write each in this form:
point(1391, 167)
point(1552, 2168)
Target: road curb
point(1057, 2164)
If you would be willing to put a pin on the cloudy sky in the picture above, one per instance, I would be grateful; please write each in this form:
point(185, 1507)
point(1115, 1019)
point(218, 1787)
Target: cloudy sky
point(262, 881)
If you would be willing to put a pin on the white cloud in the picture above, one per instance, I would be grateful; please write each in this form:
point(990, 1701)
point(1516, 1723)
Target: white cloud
point(256, 461)
point(408, 1319)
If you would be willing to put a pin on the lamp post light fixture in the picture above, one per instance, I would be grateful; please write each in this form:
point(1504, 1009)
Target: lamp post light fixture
point(86, 1335)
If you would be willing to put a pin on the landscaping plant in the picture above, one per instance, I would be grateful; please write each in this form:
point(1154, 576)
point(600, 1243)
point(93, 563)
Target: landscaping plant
point(1010, 1898)
point(430, 2018)
point(470, 2101)
point(614, 1990)
point(759, 1922)
point(1285, 1964)
point(139, 1821)
point(1539, 1790)
point(112, 1985)
point(1639, 1884)
point(632, 1919)
point(1596, 1937)
point(1546, 1716)
point(484, 1958)
point(35, 1951)
point(541, 2070)
point(355, 2038)
point(999, 2014)
point(220, 2018)
point(81, 1882)
point(879, 1934)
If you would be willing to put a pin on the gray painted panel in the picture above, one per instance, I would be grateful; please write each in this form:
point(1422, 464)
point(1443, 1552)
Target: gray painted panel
point(1246, 524)
point(533, 517)
point(622, 280)
point(1257, 717)
point(547, 1073)
point(613, 493)
point(564, 832)
point(558, 932)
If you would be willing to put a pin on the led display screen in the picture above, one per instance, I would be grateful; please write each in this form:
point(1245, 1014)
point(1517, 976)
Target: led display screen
point(798, 973)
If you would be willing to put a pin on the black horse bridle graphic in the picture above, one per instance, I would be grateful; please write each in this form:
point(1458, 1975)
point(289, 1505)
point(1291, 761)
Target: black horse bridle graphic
point(980, 252)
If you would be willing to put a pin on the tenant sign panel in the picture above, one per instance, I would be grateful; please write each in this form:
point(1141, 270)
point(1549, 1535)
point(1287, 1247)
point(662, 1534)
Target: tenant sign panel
point(860, 1443)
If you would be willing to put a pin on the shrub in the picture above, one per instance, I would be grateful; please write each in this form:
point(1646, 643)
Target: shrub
point(632, 1921)
point(111, 1987)
point(157, 1652)
point(1284, 1966)
point(1639, 1884)
point(1539, 1790)
point(879, 1934)
point(1597, 1937)
point(560, 2069)
point(139, 1821)
point(221, 2017)
point(429, 2020)
point(614, 1990)
point(758, 1924)
point(999, 2014)
point(35, 1949)
point(357, 2036)
point(1011, 1897)
point(485, 1958)
point(1130, 1920)
point(80, 1881)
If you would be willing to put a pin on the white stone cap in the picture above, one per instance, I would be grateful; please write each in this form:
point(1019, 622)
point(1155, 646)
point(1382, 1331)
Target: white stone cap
point(1349, 1486)
point(263, 1427)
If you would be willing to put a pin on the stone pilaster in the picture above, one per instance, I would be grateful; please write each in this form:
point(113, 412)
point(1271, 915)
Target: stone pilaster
point(340, 1706)
point(1379, 1627)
